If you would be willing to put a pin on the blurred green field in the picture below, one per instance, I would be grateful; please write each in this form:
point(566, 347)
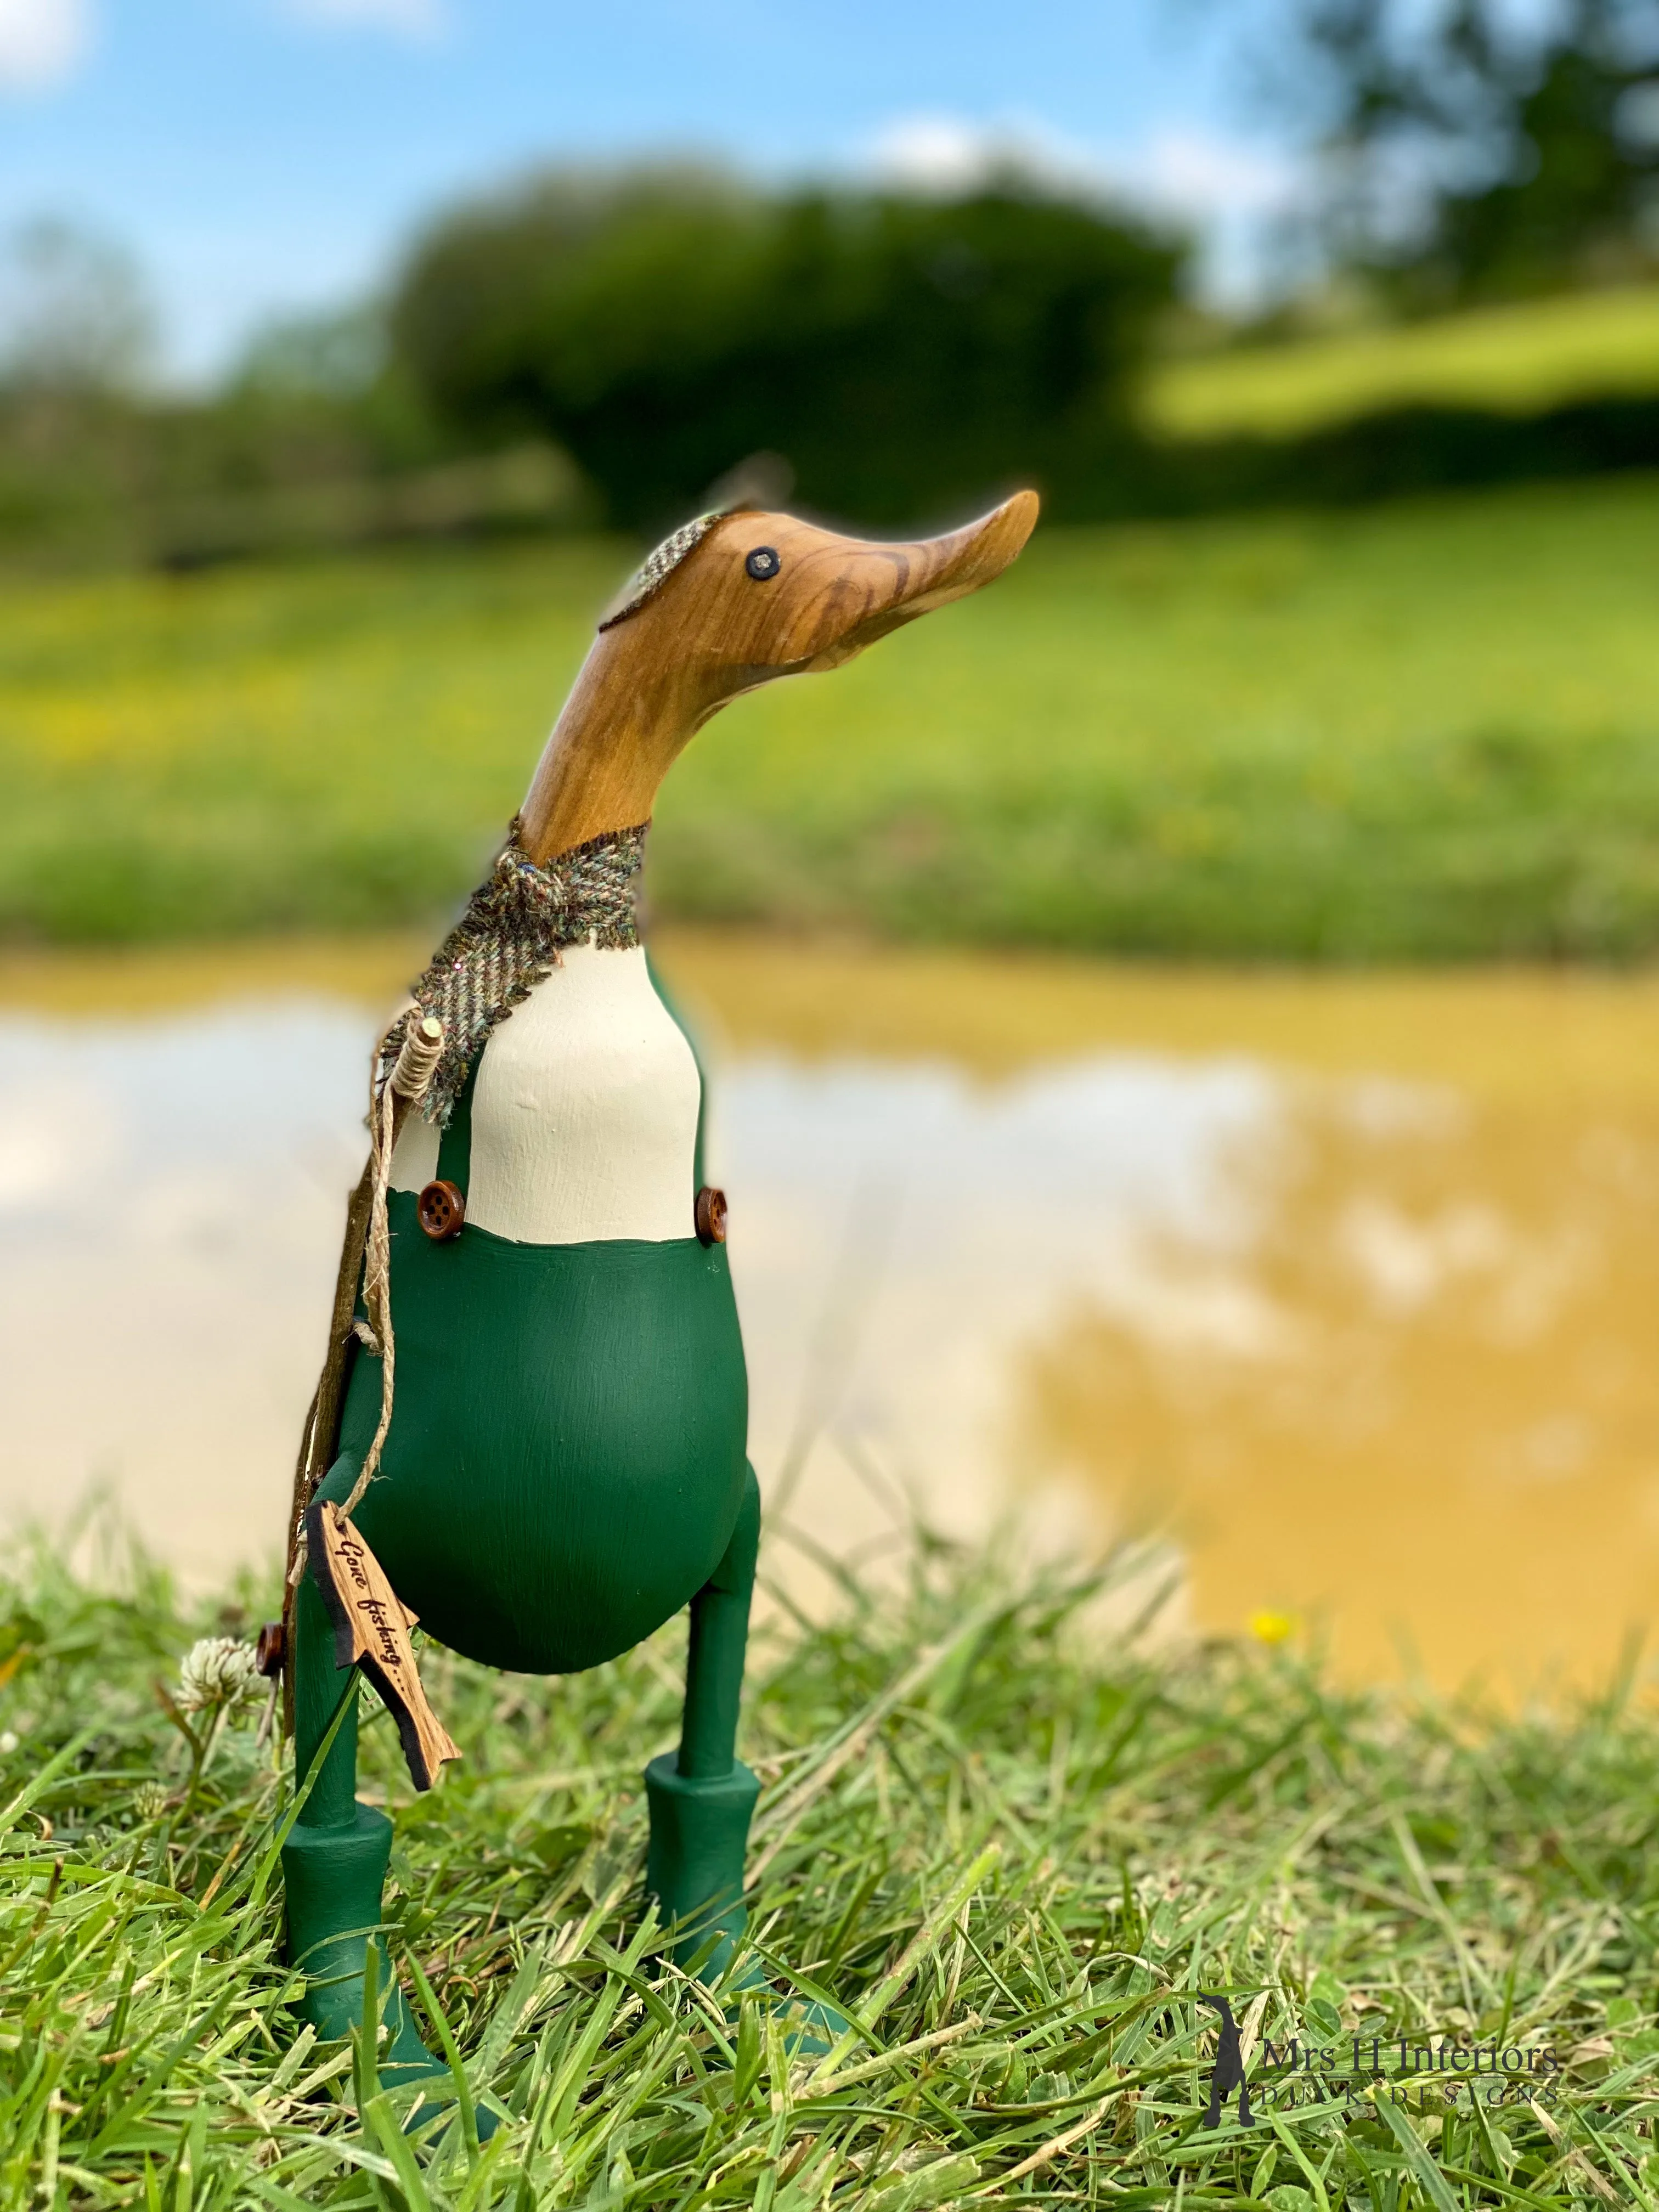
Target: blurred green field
point(1515, 360)
point(1430, 731)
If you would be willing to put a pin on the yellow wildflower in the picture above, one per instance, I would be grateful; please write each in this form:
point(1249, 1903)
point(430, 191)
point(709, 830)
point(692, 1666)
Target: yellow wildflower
point(1269, 1627)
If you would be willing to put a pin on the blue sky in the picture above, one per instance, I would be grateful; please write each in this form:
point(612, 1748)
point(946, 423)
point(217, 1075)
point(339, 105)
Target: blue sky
point(268, 155)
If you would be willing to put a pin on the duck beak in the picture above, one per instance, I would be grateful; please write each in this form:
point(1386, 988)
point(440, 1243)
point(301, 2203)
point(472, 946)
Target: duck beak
point(885, 586)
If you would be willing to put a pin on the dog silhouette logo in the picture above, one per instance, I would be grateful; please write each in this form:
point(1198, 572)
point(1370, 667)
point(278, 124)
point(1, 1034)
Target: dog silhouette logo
point(1228, 2072)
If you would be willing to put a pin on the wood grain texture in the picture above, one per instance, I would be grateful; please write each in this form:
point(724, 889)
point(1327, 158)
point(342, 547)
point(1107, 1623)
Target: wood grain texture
point(714, 630)
point(371, 1631)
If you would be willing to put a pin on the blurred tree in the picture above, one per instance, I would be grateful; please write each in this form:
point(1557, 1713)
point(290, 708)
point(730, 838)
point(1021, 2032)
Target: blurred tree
point(307, 386)
point(333, 356)
point(76, 341)
point(74, 313)
point(1484, 150)
point(904, 355)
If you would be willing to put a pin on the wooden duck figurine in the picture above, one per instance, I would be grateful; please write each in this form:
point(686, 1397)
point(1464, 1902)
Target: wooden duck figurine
point(564, 1466)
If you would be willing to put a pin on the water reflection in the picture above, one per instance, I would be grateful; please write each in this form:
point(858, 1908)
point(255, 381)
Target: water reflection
point(1348, 1282)
point(1438, 1419)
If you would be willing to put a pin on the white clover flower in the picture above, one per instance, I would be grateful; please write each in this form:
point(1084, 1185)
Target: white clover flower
point(149, 1801)
point(217, 1671)
point(8, 1743)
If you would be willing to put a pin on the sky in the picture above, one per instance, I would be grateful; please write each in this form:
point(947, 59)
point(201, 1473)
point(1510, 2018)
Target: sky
point(266, 157)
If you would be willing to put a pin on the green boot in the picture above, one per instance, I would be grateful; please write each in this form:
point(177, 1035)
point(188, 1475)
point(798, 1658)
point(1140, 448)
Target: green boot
point(702, 1798)
point(699, 1833)
point(694, 1871)
point(334, 1879)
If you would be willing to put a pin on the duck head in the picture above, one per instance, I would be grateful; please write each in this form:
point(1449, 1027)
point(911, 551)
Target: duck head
point(727, 604)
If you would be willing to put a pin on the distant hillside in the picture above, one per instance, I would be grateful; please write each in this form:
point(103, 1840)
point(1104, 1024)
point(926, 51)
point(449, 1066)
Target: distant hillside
point(1516, 360)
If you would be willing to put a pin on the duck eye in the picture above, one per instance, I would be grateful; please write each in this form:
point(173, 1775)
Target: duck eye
point(763, 564)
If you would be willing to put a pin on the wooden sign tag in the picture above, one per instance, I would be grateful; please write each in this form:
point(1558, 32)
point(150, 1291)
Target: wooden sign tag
point(371, 1631)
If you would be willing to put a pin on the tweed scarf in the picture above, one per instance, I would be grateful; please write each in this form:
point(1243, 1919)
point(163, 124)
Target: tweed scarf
point(515, 926)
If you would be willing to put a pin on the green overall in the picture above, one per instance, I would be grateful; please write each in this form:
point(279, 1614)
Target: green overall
point(564, 1470)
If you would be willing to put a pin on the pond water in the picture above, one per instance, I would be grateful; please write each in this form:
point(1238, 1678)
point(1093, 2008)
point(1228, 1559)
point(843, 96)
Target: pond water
point(1347, 1286)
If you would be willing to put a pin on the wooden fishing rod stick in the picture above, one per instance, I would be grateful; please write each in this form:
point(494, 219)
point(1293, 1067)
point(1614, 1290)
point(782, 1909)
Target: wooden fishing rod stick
point(319, 1438)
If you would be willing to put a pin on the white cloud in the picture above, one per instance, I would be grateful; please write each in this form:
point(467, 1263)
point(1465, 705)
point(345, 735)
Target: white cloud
point(1241, 201)
point(1230, 193)
point(936, 153)
point(949, 154)
point(1188, 173)
point(42, 42)
point(1191, 173)
point(405, 19)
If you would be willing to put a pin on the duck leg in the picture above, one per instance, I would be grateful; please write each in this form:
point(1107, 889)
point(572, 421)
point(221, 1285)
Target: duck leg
point(334, 1862)
point(701, 1797)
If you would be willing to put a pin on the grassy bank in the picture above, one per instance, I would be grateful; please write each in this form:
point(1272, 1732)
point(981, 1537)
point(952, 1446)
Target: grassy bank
point(1013, 1853)
point(1517, 359)
point(1423, 731)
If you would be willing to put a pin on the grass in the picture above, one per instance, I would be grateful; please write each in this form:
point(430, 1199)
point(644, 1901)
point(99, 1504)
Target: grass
point(1013, 1849)
point(1425, 732)
point(1517, 360)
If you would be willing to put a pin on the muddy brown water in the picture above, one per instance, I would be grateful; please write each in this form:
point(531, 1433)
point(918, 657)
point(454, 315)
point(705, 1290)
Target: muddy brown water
point(1348, 1285)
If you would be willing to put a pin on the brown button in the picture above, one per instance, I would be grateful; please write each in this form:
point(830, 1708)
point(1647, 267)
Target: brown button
point(710, 1216)
point(441, 1209)
point(268, 1652)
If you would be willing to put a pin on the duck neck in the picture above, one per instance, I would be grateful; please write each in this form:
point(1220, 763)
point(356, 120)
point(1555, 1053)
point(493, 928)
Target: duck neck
point(617, 737)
